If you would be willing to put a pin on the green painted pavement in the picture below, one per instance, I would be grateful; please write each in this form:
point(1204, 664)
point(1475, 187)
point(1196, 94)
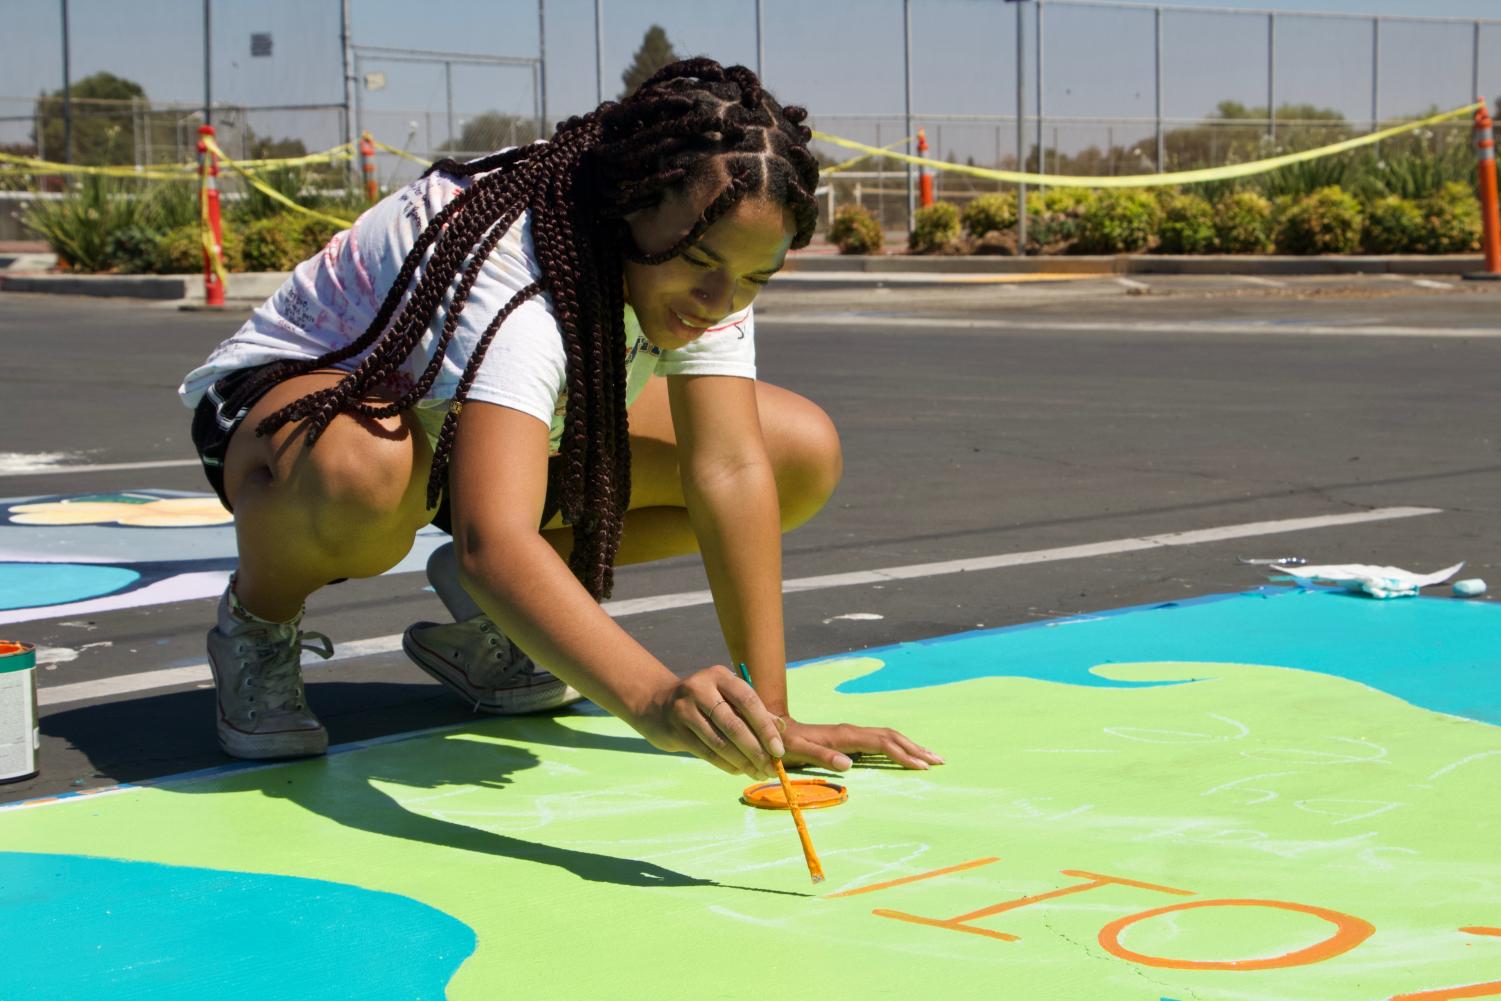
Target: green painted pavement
point(590, 865)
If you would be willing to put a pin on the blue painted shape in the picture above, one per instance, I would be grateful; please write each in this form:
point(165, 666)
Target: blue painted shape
point(33, 585)
point(78, 928)
point(1438, 653)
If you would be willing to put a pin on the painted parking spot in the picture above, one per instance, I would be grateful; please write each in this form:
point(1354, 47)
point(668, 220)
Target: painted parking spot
point(1134, 807)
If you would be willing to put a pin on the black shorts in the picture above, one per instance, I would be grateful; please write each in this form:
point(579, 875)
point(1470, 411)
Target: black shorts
point(223, 409)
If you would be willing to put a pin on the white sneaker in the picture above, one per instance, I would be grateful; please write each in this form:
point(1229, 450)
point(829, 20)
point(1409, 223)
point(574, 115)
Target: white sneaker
point(262, 708)
point(474, 658)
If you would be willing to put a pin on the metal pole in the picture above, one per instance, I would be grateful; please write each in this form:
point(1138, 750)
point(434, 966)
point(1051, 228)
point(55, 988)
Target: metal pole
point(359, 106)
point(346, 58)
point(208, 92)
point(760, 42)
point(1161, 145)
point(1041, 159)
point(448, 80)
point(67, 94)
point(1475, 64)
point(1375, 73)
point(599, 52)
point(542, 68)
point(1271, 77)
point(1021, 132)
point(907, 73)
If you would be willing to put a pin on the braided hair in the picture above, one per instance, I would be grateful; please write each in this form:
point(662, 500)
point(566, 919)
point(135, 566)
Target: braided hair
point(694, 122)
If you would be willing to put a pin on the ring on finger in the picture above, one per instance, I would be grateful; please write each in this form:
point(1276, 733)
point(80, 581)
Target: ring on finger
point(721, 702)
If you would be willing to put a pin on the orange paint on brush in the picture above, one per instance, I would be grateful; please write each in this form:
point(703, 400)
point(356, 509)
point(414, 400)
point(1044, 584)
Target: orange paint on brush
point(815, 868)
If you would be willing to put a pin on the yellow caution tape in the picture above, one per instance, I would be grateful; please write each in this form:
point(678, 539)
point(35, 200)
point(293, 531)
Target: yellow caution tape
point(165, 171)
point(847, 164)
point(270, 192)
point(402, 153)
point(157, 172)
point(1154, 180)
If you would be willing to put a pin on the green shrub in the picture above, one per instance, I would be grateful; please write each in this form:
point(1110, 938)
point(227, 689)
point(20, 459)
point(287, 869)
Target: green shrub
point(1298, 180)
point(78, 226)
point(934, 228)
point(1118, 221)
point(1243, 223)
point(855, 231)
point(1393, 226)
point(312, 234)
point(989, 214)
point(1187, 225)
point(271, 244)
point(131, 249)
point(1451, 220)
point(1328, 221)
point(179, 251)
point(1053, 217)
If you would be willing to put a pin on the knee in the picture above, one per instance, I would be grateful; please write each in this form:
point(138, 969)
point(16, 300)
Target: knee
point(366, 491)
point(811, 467)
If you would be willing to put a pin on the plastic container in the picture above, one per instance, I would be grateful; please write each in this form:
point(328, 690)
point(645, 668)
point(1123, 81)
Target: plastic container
point(20, 736)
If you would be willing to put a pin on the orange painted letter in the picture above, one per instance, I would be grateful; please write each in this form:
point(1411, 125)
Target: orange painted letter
point(1348, 933)
point(1491, 989)
point(961, 923)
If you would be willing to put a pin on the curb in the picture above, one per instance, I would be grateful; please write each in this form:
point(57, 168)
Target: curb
point(827, 270)
point(1147, 264)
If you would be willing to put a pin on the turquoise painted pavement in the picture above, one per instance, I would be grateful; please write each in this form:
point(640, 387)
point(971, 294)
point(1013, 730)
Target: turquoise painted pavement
point(1442, 654)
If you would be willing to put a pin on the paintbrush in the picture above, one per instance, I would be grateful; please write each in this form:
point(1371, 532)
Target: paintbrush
point(815, 868)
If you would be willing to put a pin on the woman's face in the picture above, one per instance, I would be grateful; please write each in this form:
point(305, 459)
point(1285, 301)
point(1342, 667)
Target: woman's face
point(717, 275)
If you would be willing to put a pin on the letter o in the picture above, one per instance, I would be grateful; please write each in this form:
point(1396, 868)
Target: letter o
point(1349, 932)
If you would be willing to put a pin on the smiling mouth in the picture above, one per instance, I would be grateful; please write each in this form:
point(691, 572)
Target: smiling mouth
point(691, 324)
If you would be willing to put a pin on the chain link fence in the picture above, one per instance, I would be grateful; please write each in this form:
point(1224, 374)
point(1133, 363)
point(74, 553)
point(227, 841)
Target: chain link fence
point(1103, 88)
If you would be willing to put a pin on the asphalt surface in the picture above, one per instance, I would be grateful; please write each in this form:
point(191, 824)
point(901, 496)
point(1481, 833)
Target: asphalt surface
point(976, 421)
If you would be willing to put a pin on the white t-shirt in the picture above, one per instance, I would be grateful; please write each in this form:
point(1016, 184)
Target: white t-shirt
point(330, 300)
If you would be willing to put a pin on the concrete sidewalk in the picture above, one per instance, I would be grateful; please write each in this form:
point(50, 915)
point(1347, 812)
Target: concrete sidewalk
point(26, 273)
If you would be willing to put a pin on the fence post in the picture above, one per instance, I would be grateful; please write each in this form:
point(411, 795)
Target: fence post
point(208, 214)
point(367, 166)
point(1485, 166)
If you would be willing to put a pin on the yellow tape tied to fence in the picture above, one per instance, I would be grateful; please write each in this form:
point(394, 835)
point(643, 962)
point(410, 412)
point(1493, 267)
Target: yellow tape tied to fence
point(1225, 173)
point(166, 171)
point(271, 192)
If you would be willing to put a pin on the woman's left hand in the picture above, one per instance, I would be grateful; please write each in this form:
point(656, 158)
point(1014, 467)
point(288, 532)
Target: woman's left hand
point(829, 745)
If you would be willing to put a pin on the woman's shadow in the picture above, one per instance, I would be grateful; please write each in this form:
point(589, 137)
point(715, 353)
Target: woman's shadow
point(344, 788)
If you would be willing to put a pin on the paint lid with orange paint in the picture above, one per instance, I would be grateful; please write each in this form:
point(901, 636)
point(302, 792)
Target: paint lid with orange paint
point(812, 794)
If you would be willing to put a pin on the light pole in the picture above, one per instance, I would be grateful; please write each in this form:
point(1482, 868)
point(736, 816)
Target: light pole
point(1021, 129)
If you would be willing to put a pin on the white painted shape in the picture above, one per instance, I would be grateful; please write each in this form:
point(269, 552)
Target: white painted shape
point(1258, 280)
point(80, 691)
point(184, 587)
point(21, 468)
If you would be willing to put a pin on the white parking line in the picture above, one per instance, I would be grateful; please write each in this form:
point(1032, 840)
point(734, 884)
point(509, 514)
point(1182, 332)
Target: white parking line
point(1258, 280)
point(1280, 329)
point(80, 691)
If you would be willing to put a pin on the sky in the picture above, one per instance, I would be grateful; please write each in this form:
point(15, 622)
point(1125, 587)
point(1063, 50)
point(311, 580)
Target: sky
point(841, 58)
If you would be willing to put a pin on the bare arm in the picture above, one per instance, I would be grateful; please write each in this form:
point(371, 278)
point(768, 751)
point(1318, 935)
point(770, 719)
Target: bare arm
point(498, 479)
point(730, 488)
point(731, 494)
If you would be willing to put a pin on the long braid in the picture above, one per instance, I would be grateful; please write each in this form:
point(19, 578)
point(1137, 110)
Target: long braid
point(692, 122)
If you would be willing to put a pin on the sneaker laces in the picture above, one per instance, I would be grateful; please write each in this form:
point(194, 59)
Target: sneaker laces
point(278, 676)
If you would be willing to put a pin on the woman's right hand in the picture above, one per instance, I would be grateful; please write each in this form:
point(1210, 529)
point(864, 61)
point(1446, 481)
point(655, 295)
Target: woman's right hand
point(716, 716)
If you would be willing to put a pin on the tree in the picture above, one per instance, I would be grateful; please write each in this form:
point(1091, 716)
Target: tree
point(655, 52)
point(490, 131)
point(105, 110)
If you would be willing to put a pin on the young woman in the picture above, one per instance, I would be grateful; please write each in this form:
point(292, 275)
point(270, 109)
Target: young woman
point(478, 352)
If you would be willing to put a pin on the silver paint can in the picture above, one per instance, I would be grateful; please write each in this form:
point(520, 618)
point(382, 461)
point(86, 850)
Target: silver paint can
point(20, 734)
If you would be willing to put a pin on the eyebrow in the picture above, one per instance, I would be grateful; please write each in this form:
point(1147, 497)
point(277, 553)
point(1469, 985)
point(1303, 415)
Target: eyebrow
point(710, 252)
